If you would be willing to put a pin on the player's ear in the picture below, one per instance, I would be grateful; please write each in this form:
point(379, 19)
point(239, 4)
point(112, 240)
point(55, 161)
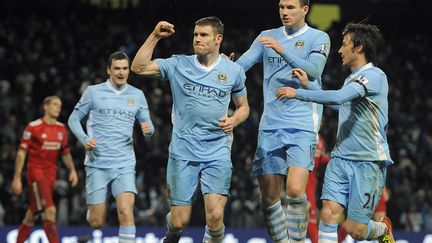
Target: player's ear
point(359, 49)
point(305, 10)
point(108, 71)
point(219, 38)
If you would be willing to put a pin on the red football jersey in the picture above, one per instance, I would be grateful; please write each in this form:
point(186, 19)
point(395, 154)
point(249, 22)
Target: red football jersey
point(43, 143)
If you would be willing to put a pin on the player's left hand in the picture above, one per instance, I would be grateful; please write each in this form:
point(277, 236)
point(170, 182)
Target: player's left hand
point(146, 129)
point(286, 93)
point(73, 178)
point(301, 75)
point(227, 124)
point(269, 42)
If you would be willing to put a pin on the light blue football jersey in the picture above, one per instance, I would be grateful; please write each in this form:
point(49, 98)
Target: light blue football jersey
point(111, 117)
point(308, 49)
point(363, 114)
point(201, 95)
point(363, 121)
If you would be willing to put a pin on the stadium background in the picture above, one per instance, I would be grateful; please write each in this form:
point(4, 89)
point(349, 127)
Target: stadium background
point(59, 47)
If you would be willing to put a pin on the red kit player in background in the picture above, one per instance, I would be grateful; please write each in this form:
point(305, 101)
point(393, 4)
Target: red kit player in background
point(321, 158)
point(43, 140)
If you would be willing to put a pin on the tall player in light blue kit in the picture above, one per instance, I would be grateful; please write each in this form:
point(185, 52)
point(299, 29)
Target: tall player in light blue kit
point(288, 129)
point(200, 150)
point(355, 176)
point(112, 108)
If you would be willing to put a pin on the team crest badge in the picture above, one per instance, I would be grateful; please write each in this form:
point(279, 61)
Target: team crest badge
point(131, 101)
point(27, 135)
point(60, 136)
point(43, 135)
point(222, 77)
point(299, 44)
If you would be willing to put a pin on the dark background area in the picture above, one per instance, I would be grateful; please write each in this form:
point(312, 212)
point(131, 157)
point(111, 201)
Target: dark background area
point(59, 47)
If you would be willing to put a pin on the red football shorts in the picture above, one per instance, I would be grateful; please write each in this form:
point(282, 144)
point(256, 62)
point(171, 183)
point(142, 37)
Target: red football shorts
point(41, 188)
point(381, 207)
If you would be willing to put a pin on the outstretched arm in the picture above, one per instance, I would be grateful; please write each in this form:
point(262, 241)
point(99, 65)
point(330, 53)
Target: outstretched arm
point(326, 97)
point(142, 63)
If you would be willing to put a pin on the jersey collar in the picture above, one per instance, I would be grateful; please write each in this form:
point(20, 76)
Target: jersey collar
point(356, 72)
point(116, 90)
point(297, 33)
point(209, 68)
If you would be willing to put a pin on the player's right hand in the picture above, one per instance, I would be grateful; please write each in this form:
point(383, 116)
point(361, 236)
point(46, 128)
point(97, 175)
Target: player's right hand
point(286, 93)
point(90, 144)
point(16, 186)
point(230, 57)
point(163, 29)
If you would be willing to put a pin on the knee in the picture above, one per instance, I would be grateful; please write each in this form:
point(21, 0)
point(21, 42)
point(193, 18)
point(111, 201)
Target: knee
point(214, 218)
point(179, 222)
point(356, 231)
point(125, 213)
point(96, 223)
point(329, 216)
point(295, 191)
point(50, 214)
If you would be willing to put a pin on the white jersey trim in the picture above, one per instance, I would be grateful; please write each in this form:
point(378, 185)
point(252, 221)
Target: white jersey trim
point(315, 117)
point(299, 32)
point(114, 89)
point(209, 68)
point(376, 133)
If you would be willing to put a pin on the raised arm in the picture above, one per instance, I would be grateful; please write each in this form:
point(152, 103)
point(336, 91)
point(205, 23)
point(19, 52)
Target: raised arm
point(142, 63)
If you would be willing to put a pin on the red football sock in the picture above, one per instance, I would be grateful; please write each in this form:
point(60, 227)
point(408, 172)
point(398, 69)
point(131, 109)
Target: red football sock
point(51, 231)
point(342, 234)
point(23, 233)
point(312, 232)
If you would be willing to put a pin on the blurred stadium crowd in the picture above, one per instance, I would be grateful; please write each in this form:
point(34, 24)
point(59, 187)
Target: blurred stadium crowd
point(61, 52)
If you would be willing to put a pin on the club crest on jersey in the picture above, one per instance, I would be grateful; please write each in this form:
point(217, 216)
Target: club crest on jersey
point(27, 135)
point(299, 44)
point(43, 135)
point(222, 77)
point(60, 136)
point(131, 101)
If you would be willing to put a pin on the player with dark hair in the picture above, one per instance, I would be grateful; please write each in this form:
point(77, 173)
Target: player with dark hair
point(355, 176)
point(288, 129)
point(43, 140)
point(112, 108)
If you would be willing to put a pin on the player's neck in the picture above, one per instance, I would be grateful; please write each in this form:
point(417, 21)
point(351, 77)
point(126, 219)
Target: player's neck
point(118, 87)
point(49, 120)
point(293, 29)
point(208, 60)
point(358, 64)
